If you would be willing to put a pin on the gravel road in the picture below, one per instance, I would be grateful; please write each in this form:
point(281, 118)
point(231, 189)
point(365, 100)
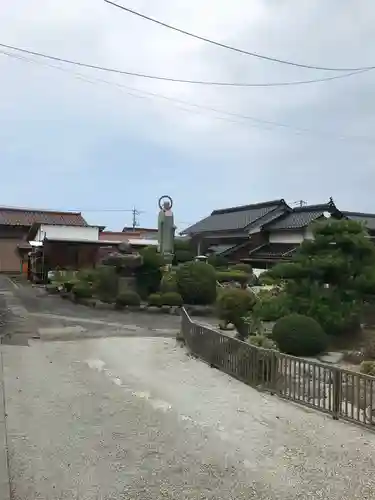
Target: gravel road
point(129, 418)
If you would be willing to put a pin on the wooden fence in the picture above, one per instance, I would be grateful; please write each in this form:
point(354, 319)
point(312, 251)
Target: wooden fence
point(341, 393)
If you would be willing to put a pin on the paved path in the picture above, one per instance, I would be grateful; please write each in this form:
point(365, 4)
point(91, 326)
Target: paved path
point(32, 313)
point(135, 417)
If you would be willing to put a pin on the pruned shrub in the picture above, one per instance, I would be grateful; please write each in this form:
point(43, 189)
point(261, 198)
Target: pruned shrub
point(88, 275)
point(106, 284)
point(168, 283)
point(127, 298)
point(154, 299)
point(299, 335)
point(271, 306)
point(196, 283)
point(368, 368)
point(82, 290)
point(70, 284)
point(243, 268)
point(171, 299)
point(218, 262)
point(261, 341)
point(182, 256)
point(233, 305)
point(232, 276)
point(149, 274)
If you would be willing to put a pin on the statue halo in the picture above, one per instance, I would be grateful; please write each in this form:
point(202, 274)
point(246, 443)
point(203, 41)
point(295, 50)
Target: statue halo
point(165, 196)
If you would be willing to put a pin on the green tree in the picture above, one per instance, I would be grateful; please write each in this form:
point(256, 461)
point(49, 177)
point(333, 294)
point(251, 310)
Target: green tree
point(331, 276)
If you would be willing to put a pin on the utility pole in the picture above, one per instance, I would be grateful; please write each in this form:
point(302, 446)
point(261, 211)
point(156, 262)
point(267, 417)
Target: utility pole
point(300, 203)
point(135, 221)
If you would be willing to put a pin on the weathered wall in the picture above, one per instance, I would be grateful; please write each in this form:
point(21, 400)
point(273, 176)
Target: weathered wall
point(74, 233)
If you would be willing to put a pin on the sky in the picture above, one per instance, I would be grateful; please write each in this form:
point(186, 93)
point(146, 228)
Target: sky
point(78, 139)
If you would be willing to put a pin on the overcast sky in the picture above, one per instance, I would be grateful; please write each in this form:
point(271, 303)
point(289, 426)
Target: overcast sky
point(69, 143)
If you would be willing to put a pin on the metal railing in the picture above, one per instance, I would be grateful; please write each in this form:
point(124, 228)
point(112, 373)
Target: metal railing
point(341, 393)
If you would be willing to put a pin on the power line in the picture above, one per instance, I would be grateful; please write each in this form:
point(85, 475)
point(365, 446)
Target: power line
point(146, 94)
point(229, 47)
point(179, 80)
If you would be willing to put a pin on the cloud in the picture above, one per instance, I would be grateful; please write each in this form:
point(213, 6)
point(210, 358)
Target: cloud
point(53, 121)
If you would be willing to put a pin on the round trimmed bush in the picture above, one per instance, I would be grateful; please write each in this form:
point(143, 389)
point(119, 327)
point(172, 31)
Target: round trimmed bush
point(299, 335)
point(233, 305)
point(69, 285)
point(196, 283)
point(128, 298)
point(154, 299)
point(149, 275)
point(244, 268)
point(168, 283)
point(82, 290)
point(232, 277)
point(218, 261)
point(171, 299)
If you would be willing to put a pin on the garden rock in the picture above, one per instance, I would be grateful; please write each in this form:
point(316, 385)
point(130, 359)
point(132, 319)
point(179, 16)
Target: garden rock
point(332, 358)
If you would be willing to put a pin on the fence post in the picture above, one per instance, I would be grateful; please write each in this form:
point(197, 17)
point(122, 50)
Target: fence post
point(180, 334)
point(274, 372)
point(336, 397)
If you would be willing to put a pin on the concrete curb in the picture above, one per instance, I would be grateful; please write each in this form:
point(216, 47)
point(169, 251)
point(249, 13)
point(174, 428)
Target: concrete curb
point(4, 470)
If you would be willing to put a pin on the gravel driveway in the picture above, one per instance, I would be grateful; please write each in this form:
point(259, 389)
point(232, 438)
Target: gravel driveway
point(129, 418)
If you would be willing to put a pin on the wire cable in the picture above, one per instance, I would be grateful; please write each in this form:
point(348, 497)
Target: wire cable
point(235, 49)
point(179, 80)
point(227, 115)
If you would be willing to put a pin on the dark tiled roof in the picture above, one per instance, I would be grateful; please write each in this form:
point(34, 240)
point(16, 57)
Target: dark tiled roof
point(235, 218)
point(300, 217)
point(28, 217)
point(367, 219)
point(273, 251)
point(219, 249)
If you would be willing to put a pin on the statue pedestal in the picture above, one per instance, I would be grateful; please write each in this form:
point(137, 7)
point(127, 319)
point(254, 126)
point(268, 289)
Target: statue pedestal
point(168, 259)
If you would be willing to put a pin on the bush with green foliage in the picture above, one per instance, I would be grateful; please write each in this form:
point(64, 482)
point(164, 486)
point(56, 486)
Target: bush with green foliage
point(127, 298)
point(267, 279)
point(232, 277)
point(242, 267)
point(182, 256)
point(331, 276)
point(106, 284)
point(299, 335)
point(69, 285)
point(368, 368)
point(271, 306)
point(149, 274)
point(87, 275)
point(183, 251)
point(233, 306)
point(196, 283)
point(261, 341)
point(218, 262)
point(82, 290)
point(168, 283)
point(154, 299)
point(171, 299)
